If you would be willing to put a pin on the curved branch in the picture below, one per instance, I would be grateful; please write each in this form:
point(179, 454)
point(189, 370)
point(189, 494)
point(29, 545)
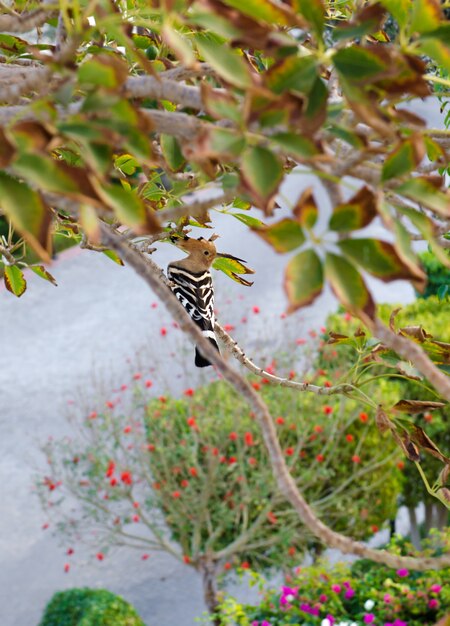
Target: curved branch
point(238, 353)
point(150, 272)
point(24, 22)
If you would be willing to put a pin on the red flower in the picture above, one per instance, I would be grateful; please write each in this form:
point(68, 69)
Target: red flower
point(227, 566)
point(255, 309)
point(126, 478)
point(349, 438)
point(100, 556)
point(321, 373)
point(145, 556)
point(123, 387)
point(356, 458)
point(320, 458)
point(110, 470)
point(291, 551)
point(244, 320)
point(328, 410)
point(45, 526)
point(363, 417)
point(428, 417)
point(176, 494)
point(66, 567)
point(92, 415)
point(151, 447)
point(113, 481)
point(191, 422)
point(347, 317)
point(70, 551)
point(289, 451)
point(271, 517)
point(280, 420)
point(245, 565)
point(186, 559)
point(232, 460)
point(156, 486)
point(323, 330)
point(248, 439)
point(148, 384)
point(256, 386)
point(193, 472)
point(327, 384)
point(137, 376)
point(300, 342)
point(188, 392)
point(318, 429)
point(312, 333)
point(401, 465)
point(228, 327)
point(127, 429)
point(135, 505)
point(252, 461)
point(215, 451)
point(154, 305)
point(233, 436)
point(109, 404)
point(291, 374)
point(163, 332)
point(184, 483)
point(135, 518)
point(162, 399)
point(374, 528)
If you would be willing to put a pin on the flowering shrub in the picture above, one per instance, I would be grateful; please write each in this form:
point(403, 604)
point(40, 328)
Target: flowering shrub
point(339, 595)
point(89, 607)
point(195, 471)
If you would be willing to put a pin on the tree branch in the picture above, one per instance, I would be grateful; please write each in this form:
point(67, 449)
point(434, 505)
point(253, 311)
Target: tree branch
point(24, 22)
point(150, 272)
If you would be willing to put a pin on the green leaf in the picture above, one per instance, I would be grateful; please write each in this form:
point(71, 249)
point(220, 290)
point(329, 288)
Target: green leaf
point(404, 158)
point(295, 145)
point(437, 50)
point(224, 141)
point(14, 280)
point(403, 247)
point(379, 258)
point(106, 70)
point(305, 209)
point(27, 212)
point(303, 279)
point(314, 12)
point(399, 9)
point(128, 207)
point(127, 164)
point(293, 74)
point(248, 220)
point(225, 61)
point(426, 15)
point(261, 173)
point(422, 190)
point(357, 213)
point(427, 228)
point(172, 152)
point(443, 291)
point(9, 43)
point(232, 267)
point(356, 63)
point(113, 256)
point(283, 236)
point(261, 10)
point(40, 270)
point(348, 286)
point(179, 44)
point(353, 139)
point(365, 21)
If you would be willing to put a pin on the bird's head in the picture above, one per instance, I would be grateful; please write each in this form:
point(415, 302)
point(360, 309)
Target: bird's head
point(201, 250)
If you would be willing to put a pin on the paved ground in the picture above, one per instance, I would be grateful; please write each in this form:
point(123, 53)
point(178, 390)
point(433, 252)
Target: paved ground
point(54, 343)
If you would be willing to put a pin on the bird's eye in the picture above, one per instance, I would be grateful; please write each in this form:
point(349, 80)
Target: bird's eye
point(206, 252)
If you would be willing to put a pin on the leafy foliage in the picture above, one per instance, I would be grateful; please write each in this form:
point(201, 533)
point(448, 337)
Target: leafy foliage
point(438, 277)
point(89, 607)
point(363, 593)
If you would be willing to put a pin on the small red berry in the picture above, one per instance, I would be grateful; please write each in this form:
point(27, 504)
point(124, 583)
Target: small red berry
point(356, 458)
point(363, 417)
point(349, 438)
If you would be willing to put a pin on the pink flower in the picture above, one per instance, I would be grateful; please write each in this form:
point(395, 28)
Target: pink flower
point(403, 572)
point(323, 597)
point(255, 309)
point(435, 588)
point(387, 598)
point(336, 588)
point(433, 603)
point(369, 618)
point(349, 594)
point(288, 595)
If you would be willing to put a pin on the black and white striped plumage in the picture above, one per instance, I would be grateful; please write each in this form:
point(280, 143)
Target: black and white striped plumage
point(192, 285)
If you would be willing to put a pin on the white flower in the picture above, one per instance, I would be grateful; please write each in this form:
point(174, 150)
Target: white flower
point(343, 624)
point(290, 597)
point(325, 622)
point(369, 604)
point(354, 624)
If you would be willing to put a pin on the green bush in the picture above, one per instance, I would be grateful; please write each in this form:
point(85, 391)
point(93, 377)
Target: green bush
point(362, 593)
point(438, 276)
point(89, 607)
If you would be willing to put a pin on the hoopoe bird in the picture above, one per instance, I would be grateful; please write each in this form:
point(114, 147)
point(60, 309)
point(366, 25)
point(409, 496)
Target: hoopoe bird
point(193, 285)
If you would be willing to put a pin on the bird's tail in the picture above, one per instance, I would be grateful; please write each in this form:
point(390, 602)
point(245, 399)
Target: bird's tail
point(200, 360)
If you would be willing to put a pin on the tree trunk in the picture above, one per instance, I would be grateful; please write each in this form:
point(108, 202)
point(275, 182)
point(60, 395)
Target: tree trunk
point(441, 516)
point(208, 570)
point(415, 535)
point(429, 515)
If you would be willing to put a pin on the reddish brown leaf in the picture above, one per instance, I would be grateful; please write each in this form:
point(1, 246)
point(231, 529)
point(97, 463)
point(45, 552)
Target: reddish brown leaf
point(382, 420)
point(305, 209)
point(421, 439)
point(416, 406)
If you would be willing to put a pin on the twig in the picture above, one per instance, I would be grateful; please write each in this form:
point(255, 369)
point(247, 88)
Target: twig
point(22, 23)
